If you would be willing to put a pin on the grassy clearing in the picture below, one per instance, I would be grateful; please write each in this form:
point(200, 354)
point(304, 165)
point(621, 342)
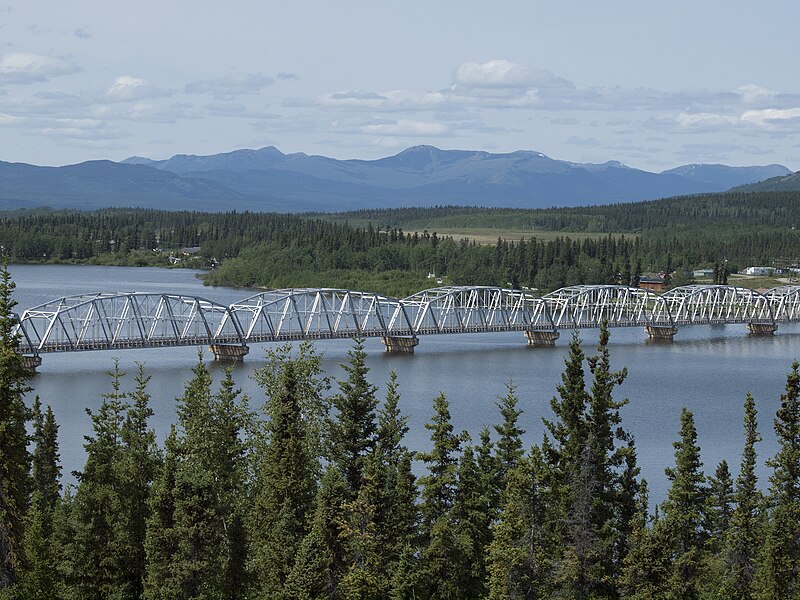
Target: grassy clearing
point(755, 282)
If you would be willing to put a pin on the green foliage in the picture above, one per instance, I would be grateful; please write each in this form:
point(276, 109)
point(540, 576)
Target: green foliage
point(286, 465)
point(779, 574)
point(743, 537)
point(14, 457)
point(681, 526)
point(353, 429)
point(197, 525)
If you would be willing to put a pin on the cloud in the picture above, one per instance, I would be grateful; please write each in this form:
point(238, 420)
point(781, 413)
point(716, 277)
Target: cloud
point(82, 33)
point(126, 88)
point(494, 73)
point(584, 141)
point(771, 116)
point(287, 77)
point(231, 86)
point(406, 128)
point(6, 119)
point(25, 68)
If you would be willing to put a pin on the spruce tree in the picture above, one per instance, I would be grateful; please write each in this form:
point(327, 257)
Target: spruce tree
point(353, 429)
point(139, 463)
point(683, 514)
point(96, 567)
point(15, 486)
point(522, 554)
point(439, 564)
point(392, 486)
point(200, 517)
point(285, 469)
point(321, 563)
point(647, 562)
point(742, 541)
point(39, 580)
point(779, 563)
point(509, 443)
point(439, 485)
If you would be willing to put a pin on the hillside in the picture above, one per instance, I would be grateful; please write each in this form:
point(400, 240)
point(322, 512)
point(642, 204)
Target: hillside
point(787, 183)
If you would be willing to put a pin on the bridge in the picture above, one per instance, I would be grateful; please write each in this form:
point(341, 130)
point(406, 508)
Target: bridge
point(113, 321)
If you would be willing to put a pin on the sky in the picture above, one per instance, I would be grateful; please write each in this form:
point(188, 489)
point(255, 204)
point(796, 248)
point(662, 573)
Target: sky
point(651, 84)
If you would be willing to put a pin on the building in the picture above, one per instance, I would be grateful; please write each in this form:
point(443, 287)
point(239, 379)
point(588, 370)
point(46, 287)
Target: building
point(655, 284)
point(762, 271)
point(703, 273)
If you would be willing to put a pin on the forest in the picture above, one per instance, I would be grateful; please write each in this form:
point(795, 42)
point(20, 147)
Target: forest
point(310, 492)
point(393, 251)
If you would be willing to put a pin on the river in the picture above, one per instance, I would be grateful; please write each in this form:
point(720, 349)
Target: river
point(707, 369)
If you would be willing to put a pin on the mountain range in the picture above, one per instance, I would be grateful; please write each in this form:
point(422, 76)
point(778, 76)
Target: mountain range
point(269, 180)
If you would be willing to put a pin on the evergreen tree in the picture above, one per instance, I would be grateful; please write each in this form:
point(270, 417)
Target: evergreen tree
point(683, 512)
point(743, 537)
point(392, 486)
point(139, 463)
point(39, 580)
point(521, 555)
point(353, 430)
point(439, 564)
point(46, 469)
point(321, 563)
point(285, 469)
point(647, 563)
point(719, 507)
point(14, 457)
point(779, 564)
point(509, 443)
point(439, 485)
point(200, 517)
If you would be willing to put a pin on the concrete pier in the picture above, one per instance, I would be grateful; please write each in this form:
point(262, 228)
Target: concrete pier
point(661, 332)
point(541, 338)
point(229, 352)
point(31, 361)
point(762, 328)
point(402, 344)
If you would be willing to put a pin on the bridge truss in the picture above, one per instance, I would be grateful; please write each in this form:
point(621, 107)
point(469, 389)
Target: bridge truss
point(104, 321)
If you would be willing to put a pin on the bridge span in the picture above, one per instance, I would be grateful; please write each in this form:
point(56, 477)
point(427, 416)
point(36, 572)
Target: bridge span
point(113, 321)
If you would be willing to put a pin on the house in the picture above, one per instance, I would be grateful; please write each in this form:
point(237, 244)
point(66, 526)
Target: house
point(703, 273)
point(653, 283)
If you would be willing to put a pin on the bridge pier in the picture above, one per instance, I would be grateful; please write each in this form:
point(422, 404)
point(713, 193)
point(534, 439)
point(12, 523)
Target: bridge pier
point(400, 344)
point(762, 328)
point(541, 338)
point(661, 332)
point(229, 352)
point(31, 361)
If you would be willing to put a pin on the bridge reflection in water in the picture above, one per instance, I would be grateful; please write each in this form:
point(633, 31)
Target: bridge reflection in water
point(106, 321)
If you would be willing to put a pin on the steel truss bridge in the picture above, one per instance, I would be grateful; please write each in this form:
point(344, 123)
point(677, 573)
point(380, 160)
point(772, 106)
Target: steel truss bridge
point(106, 321)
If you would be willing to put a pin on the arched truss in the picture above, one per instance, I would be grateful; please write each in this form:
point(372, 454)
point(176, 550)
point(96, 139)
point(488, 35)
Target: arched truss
point(138, 320)
point(585, 306)
point(709, 304)
point(476, 309)
point(294, 314)
point(124, 320)
point(785, 302)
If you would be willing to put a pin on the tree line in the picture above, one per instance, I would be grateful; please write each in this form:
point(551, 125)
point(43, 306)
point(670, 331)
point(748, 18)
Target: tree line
point(375, 252)
point(316, 496)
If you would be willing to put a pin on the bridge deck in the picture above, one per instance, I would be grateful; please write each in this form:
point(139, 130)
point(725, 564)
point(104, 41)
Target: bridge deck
point(105, 321)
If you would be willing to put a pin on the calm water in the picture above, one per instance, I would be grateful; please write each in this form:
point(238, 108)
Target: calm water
point(707, 369)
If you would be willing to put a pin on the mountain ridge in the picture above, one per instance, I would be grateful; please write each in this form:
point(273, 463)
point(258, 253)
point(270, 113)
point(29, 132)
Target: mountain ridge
point(266, 179)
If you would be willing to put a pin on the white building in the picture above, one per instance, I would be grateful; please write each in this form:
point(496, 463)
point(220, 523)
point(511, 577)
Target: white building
point(761, 271)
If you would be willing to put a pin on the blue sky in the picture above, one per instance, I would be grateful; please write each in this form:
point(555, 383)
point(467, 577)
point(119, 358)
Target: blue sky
point(653, 85)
